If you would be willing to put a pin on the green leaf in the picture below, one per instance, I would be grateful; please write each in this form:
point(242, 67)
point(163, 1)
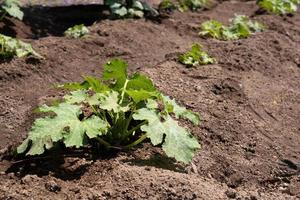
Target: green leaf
point(120, 11)
point(178, 142)
point(77, 96)
point(141, 95)
point(179, 111)
point(12, 7)
point(108, 101)
point(155, 129)
point(77, 31)
point(65, 126)
point(11, 47)
point(90, 83)
point(140, 88)
point(139, 81)
point(167, 5)
point(152, 104)
point(116, 71)
point(138, 5)
point(135, 13)
point(96, 84)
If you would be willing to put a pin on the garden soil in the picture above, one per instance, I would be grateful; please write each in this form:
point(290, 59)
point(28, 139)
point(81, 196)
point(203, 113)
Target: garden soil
point(249, 104)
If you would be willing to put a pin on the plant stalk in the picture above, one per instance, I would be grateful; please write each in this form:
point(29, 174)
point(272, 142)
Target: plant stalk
point(135, 128)
point(138, 141)
point(101, 141)
point(123, 91)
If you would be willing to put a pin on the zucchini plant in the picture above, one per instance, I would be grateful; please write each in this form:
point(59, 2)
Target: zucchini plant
point(117, 111)
point(196, 56)
point(130, 8)
point(241, 27)
point(279, 7)
point(183, 5)
point(14, 47)
point(77, 31)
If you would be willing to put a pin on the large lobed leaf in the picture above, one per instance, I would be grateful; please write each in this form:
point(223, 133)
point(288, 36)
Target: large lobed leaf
point(65, 126)
point(116, 72)
point(176, 141)
point(179, 111)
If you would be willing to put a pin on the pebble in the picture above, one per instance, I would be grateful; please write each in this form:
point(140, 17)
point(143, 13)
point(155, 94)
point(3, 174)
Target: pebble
point(230, 193)
point(52, 186)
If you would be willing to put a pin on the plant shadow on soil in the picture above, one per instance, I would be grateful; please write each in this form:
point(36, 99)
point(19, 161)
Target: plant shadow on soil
point(41, 21)
point(71, 164)
point(158, 161)
point(45, 21)
point(60, 162)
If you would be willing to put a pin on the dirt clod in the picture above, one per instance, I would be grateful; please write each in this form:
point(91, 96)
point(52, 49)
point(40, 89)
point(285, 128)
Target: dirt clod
point(230, 193)
point(52, 186)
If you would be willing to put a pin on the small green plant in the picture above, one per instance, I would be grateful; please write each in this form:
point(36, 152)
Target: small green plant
point(117, 111)
point(241, 27)
point(193, 5)
point(130, 8)
point(196, 56)
point(13, 47)
point(12, 8)
point(279, 7)
point(77, 31)
point(167, 5)
point(183, 5)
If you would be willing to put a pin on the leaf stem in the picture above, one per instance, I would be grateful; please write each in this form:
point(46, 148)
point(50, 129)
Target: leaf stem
point(101, 141)
point(135, 128)
point(127, 125)
point(107, 145)
point(138, 141)
point(123, 91)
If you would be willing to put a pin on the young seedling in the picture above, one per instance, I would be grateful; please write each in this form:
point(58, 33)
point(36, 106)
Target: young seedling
point(12, 8)
point(241, 27)
point(77, 31)
point(13, 47)
point(118, 111)
point(279, 7)
point(167, 5)
point(130, 8)
point(192, 5)
point(196, 56)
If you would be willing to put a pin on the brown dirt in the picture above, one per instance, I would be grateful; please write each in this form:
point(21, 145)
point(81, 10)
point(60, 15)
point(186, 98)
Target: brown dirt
point(249, 103)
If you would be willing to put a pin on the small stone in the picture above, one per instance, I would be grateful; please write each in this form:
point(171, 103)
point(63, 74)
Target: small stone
point(52, 186)
point(148, 168)
point(253, 197)
point(230, 193)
